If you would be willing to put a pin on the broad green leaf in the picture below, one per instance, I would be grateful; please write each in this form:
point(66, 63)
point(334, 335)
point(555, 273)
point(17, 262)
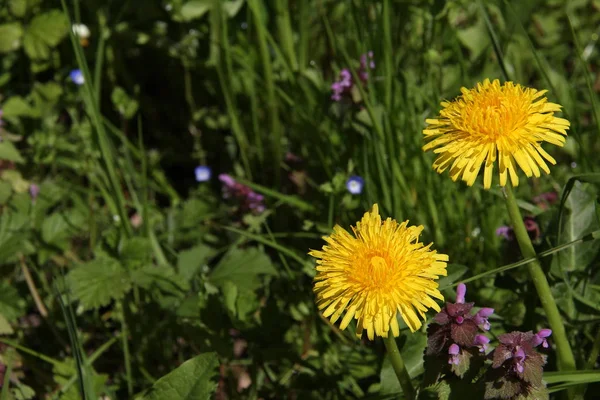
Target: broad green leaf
point(16, 106)
point(98, 282)
point(10, 37)
point(18, 7)
point(58, 228)
point(9, 152)
point(191, 260)
point(243, 267)
point(195, 9)
point(232, 7)
point(162, 278)
point(192, 380)
point(412, 352)
point(44, 32)
point(5, 328)
point(13, 235)
point(579, 219)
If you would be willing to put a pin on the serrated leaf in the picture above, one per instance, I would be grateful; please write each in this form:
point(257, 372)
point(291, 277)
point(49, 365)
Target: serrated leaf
point(243, 267)
point(136, 251)
point(192, 380)
point(191, 260)
point(98, 282)
point(5, 328)
point(44, 32)
point(10, 37)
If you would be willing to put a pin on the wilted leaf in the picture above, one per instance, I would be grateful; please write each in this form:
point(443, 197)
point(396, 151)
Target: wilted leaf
point(192, 380)
point(98, 282)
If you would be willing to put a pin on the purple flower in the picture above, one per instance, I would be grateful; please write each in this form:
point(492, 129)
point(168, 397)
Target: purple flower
point(248, 199)
point(533, 229)
point(355, 184)
point(506, 232)
point(453, 352)
point(342, 86)
point(34, 191)
point(482, 342)
point(203, 173)
point(366, 63)
point(481, 318)
point(77, 77)
point(540, 338)
point(461, 290)
point(545, 199)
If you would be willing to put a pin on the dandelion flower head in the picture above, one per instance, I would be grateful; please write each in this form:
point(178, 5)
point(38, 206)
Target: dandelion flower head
point(493, 122)
point(378, 272)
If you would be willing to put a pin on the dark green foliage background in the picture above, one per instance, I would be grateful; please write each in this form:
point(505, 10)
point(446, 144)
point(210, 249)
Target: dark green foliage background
point(200, 297)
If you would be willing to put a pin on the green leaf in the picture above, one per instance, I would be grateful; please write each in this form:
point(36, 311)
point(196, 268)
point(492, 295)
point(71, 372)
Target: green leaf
point(242, 267)
point(45, 32)
point(192, 380)
point(136, 252)
point(18, 7)
point(16, 106)
point(579, 219)
point(5, 192)
point(12, 305)
point(9, 152)
point(162, 278)
point(98, 282)
point(195, 9)
point(10, 37)
point(125, 105)
point(5, 328)
point(191, 260)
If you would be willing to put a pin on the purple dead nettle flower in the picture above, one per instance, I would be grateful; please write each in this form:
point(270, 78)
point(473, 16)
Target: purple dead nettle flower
point(342, 86)
point(506, 232)
point(355, 184)
point(457, 329)
point(546, 199)
point(516, 351)
point(249, 200)
point(366, 63)
point(202, 173)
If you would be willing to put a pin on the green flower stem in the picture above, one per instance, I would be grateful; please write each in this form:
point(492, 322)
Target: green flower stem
point(566, 361)
point(399, 366)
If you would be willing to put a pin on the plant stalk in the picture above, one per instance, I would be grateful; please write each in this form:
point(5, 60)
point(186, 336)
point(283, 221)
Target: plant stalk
point(399, 366)
point(566, 360)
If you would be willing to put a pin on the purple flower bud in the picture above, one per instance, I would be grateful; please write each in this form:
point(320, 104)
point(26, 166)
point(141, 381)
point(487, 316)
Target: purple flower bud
point(481, 318)
point(453, 351)
point(460, 319)
point(461, 290)
point(482, 341)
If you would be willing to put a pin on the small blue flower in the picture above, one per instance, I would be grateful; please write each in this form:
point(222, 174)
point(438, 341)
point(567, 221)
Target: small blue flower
point(355, 184)
point(77, 77)
point(202, 173)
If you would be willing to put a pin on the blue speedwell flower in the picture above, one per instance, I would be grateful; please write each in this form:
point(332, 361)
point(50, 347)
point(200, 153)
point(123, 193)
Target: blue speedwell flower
point(202, 173)
point(77, 77)
point(355, 184)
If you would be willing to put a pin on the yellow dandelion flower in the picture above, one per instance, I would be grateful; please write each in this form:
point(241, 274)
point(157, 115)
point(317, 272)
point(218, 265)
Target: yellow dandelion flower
point(379, 272)
point(493, 122)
